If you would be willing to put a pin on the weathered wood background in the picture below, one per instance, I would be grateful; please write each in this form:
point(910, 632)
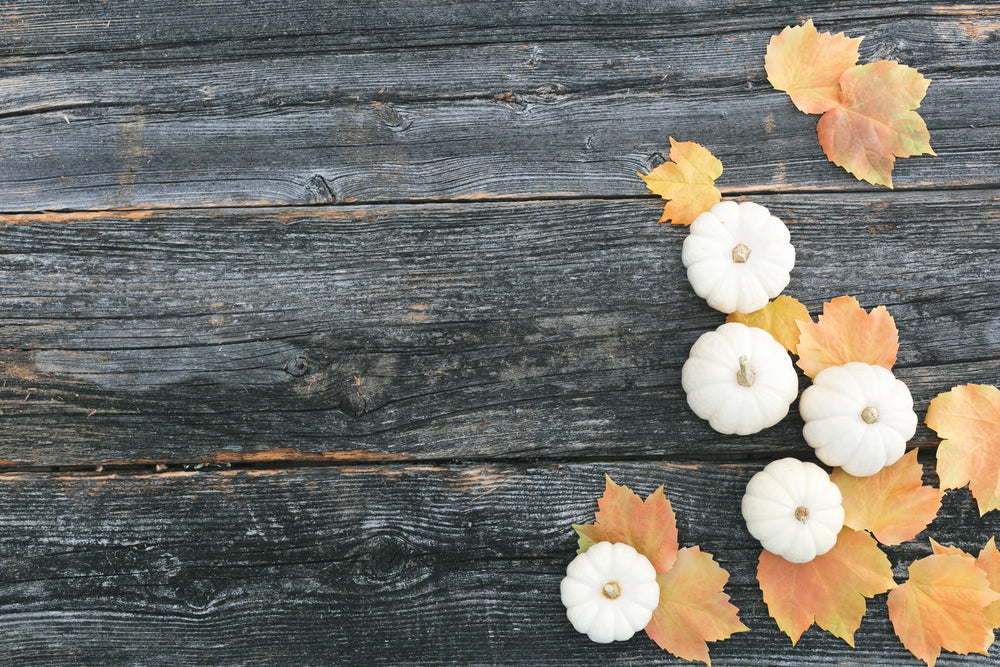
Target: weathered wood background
point(322, 322)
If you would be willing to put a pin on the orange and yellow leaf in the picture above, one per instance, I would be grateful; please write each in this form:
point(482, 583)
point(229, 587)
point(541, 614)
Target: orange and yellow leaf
point(829, 590)
point(650, 527)
point(693, 608)
point(893, 504)
point(687, 180)
point(808, 64)
point(989, 562)
point(942, 606)
point(778, 318)
point(876, 121)
point(845, 332)
point(967, 418)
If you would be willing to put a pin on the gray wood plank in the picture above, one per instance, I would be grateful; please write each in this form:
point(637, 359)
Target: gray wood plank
point(502, 331)
point(192, 126)
point(34, 27)
point(373, 565)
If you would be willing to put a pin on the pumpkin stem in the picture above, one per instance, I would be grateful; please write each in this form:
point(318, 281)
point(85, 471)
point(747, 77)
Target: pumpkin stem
point(746, 375)
point(870, 415)
point(612, 590)
point(801, 513)
point(741, 253)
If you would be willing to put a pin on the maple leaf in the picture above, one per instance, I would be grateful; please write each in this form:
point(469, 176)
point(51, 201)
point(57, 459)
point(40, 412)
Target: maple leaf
point(845, 332)
point(778, 318)
point(829, 590)
point(693, 609)
point(941, 606)
point(808, 64)
point(967, 418)
point(892, 504)
point(876, 121)
point(650, 527)
point(989, 562)
point(687, 181)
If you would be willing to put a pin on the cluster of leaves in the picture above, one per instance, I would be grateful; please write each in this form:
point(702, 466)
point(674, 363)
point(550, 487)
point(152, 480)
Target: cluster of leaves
point(693, 608)
point(869, 111)
point(950, 600)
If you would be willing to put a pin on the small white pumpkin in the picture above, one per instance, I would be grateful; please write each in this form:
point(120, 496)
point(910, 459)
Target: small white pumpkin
point(738, 256)
point(794, 509)
point(739, 379)
point(610, 592)
point(858, 417)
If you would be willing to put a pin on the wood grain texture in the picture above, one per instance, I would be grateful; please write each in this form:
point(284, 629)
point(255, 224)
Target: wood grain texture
point(307, 124)
point(503, 330)
point(373, 565)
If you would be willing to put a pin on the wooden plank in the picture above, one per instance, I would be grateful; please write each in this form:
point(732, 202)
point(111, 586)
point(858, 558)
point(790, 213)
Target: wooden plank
point(540, 330)
point(386, 564)
point(576, 118)
point(33, 27)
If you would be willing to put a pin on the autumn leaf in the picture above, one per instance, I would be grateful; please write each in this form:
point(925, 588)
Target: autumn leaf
point(967, 418)
point(687, 181)
point(693, 609)
point(808, 64)
point(845, 332)
point(778, 318)
point(989, 562)
point(829, 590)
point(649, 527)
point(941, 606)
point(876, 121)
point(892, 504)
point(869, 111)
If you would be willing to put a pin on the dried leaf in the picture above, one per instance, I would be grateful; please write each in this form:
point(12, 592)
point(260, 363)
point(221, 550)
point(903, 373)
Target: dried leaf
point(778, 318)
point(845, 332)
point(967, 418)
point(687, 181)
point(892, 504)
point(808, 64)
point(876, 121)
point(830, 589)
point(941, 606)
point(693, 609)
point(649, 527)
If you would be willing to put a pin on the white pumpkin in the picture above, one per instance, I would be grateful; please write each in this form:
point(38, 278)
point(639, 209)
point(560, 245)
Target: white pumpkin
point(794, 509)
point(739, 379)
point(610, 592)
point(858, 417)
point(738, 256)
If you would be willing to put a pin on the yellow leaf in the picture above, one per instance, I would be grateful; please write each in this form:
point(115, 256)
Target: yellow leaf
point(650, 527)
point(687, 180)
point(808, 64)
point(876, 121)
point(892, 504)
point(693, 609)
point(967, 418)
point(778, 318)
point(829, 590)
point(845, 332)
point(989, 563)
point(941, 606)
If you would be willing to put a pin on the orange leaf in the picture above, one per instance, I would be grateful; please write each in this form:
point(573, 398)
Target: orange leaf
point(967, 418)
point(942, 606)
point(649, 527)
point(808, 65)
point(989, 563)
point(693, 609)
point(830, 589)
point(876, 121)
point(892, 504)
point(777, 318)
point(845, 332)
point(687, 180)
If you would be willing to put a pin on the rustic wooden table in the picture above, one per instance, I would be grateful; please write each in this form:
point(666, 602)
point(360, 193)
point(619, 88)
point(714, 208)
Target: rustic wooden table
point(322, 322)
